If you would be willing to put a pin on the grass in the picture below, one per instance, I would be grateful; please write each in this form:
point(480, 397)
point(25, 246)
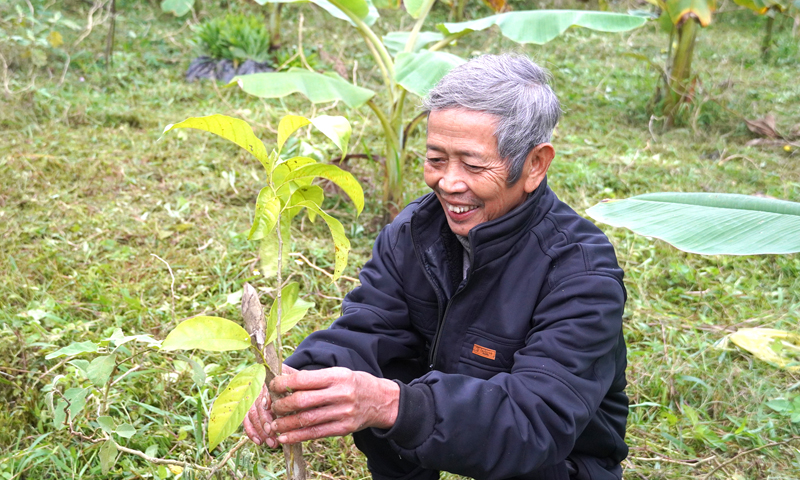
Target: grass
point(88, 194)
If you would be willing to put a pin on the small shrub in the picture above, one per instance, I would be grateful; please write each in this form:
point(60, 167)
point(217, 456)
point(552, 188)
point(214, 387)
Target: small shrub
point(234, 37)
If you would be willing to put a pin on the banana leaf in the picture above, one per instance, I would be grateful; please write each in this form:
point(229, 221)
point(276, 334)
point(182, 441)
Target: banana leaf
point(316, 87)
point(541, 26)
point(708, 223)
point(419, 72)
point(680, 10)
point(364, 9)
point(396, 41)
point(178, 8)
point(776, 347)
point(762, 6)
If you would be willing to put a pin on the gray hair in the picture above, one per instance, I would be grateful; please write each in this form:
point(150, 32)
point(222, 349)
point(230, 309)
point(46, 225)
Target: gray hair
point(513, 89)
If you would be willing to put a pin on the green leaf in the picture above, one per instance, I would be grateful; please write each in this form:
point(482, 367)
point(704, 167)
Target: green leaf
point(289, 295)
point(541, 26)
point(232, 129)
point(336, 128)
point(73, 349)
point(106, 423)
point(306, 193)
point(268, 207)
point(419, 72)
point(414, 7)
point(108, 456)
point(345, 180)
point(198, 372)
point(396, 41)
point(232, 405)
point(289, 317)
point(288, 125)
point(283, 169)
point(83, 365)
point(318, 88)
point(125, 430)
point(77, 401)
point(360, 8)
point(234, 298)
point(119, 339)
point(178, 8)
point(311, 193)
point(268, 249)
point(213, 334)
point(757, 6)
point(59, 414)
point(341, 244)
point(708, 223)
point(100, 369)
point(171, 415)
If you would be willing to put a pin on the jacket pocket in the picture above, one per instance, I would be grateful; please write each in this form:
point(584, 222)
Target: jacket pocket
point(484, 355)
point(424, 315)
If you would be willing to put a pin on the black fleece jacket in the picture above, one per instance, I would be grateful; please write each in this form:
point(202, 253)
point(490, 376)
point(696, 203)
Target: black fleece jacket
point(522, 362)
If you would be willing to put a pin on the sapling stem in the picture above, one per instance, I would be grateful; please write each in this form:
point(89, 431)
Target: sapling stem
point(103, 407)
point(279, 299)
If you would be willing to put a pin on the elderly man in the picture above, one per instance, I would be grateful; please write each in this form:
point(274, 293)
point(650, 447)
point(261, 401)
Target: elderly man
point(486, 336)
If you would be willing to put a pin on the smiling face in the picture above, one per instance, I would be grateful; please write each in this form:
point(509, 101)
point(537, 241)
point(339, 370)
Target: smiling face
point(467, 174)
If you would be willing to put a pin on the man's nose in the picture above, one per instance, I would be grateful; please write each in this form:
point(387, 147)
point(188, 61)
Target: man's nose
point(451, 181)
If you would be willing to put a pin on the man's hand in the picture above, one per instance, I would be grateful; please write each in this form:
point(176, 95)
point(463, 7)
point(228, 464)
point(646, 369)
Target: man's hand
point(258, 421)
point(330, 402)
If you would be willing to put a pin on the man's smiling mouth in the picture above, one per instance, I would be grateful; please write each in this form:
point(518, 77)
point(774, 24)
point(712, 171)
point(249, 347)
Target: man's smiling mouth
point(460, 208)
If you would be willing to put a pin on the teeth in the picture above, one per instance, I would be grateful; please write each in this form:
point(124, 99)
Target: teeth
point(455, 209)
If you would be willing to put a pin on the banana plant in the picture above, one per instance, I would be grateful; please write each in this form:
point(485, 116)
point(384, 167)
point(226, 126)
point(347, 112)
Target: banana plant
point(411, 62)
point(288, 191)
point(708, 223)
point(718, 224)
point(178, 8)
point(683, 20)
point(770, 8)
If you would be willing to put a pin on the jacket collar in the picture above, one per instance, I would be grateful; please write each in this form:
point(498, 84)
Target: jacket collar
point(489, 240)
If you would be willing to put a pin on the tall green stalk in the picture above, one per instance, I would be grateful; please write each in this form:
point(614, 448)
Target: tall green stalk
point(391, 123)
point(275, 25)
point(767, 41)
point(681, 69)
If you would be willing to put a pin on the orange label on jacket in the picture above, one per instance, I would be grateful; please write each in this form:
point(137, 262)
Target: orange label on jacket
point(483, 352)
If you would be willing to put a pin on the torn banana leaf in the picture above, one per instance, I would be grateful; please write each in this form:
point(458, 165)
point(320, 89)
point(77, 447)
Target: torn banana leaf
point(776, 347)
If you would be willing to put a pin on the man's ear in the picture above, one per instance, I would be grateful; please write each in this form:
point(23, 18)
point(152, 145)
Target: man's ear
point(536, 164)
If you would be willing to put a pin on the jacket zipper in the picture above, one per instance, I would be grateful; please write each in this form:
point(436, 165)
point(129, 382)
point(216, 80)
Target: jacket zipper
point(437, 336)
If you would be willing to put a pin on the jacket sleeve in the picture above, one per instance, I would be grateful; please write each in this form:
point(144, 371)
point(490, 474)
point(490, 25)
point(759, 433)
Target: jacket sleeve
point(519, 422)
point(374, 328)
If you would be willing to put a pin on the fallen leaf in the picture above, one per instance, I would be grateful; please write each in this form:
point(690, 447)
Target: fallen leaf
point(776, 347)
point(764, 127)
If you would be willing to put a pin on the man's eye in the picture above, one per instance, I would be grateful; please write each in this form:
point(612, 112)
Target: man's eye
point(434, 160)
point(473, 168)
